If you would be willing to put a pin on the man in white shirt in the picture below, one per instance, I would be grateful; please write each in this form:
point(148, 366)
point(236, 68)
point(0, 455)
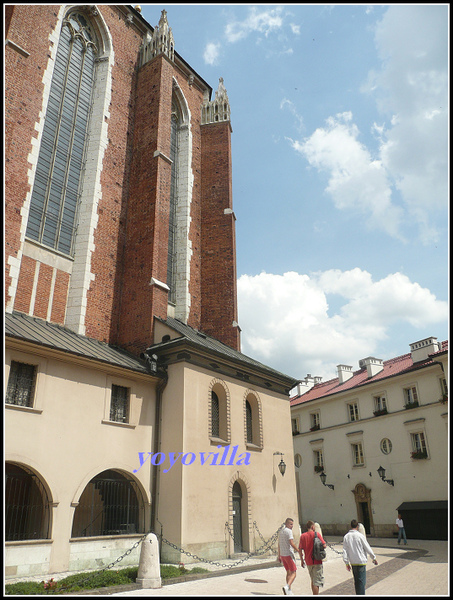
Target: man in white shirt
point(355, 551)
point(401, 531)
point(286, 547)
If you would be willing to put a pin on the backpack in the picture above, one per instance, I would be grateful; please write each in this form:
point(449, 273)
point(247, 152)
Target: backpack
point(319, 552)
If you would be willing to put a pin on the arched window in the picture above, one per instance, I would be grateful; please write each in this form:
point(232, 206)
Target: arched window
point(27, 514)
point(215, 415)
point(219, 413)
point(253, 423)
point(249, 424)
point(109, 505)
point(174, 156)
point(54, 202)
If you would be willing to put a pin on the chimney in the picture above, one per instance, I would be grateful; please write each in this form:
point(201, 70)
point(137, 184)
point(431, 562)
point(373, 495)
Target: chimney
point(344, 372)
point(373, 365)
point(306, 384)
point(422, 349)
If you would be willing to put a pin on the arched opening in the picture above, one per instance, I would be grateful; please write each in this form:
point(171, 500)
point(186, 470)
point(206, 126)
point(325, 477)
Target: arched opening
point(237, 517)
point(27, 514)
point(253, 430)
point(111, 504)
point(219, 429)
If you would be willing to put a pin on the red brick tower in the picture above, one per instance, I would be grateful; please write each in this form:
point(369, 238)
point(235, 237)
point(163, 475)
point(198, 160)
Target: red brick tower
point(153, 232)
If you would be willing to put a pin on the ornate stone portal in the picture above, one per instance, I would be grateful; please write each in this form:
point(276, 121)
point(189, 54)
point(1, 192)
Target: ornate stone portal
point(362, 496)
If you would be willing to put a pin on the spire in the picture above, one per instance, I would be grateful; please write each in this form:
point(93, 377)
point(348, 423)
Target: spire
point(160, 42)
point(217, 110)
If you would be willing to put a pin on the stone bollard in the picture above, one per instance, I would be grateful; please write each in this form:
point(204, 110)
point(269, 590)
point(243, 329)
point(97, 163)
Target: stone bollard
point(148, 575)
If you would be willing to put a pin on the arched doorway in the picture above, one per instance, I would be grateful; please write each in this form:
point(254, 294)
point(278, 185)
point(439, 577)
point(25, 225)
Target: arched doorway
point(362, 496)
point(237, 517)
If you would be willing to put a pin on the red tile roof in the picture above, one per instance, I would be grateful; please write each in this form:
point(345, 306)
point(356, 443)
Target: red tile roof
point(394, 366)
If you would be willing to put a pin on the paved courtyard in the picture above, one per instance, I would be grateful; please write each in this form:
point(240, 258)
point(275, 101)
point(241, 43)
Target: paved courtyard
point(418, 569)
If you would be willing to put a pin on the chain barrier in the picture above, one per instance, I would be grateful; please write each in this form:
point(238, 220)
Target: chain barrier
point(262, 550)
point(332, 548)
point(259, 551)
point(112, 564)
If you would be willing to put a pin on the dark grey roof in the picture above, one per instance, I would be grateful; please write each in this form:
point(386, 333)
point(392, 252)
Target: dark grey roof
point(38, 331)
point(207, 342)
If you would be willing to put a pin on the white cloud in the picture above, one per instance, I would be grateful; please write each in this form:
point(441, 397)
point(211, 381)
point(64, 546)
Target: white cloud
point(406, 181)
point(264, 21)
point(357, 181)
point(287, 323)
point(211, 53)
point(413, 86)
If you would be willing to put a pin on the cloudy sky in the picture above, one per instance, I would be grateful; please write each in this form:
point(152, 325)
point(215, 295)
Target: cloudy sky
point(340, 173)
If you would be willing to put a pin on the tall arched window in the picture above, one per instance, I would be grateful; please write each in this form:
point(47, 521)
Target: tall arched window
point(215, 415)
point(54, 202)
point(253, 420)
point(249, 422)
point(174, 156)
point(219, 413)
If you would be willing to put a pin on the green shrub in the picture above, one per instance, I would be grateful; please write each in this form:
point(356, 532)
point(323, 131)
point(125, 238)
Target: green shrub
point(95, 579)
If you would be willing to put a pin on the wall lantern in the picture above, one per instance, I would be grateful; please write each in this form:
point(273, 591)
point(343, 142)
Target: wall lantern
point(323, 478)
point(381, 473)
point(281, 464)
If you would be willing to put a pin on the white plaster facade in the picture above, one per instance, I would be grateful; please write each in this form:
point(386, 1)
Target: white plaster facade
point(336, 439)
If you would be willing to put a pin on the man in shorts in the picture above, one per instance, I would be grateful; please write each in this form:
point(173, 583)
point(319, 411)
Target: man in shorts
point(314, 566)
point(286, 547)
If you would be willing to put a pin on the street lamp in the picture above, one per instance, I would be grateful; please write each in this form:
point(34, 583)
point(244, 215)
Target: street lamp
point(281, 464)
point(323, 478)
point(381, 473)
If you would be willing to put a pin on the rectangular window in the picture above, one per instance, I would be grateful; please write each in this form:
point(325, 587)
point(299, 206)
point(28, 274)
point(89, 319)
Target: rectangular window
point(319, 461)
point(315, 421)
point(119, 404)
point(410, 396)
point(295, 426)
point(353, 411)
point(444, 386)
point(21, 384)
point(418, 441)
point(380, 405)
point(357, 455)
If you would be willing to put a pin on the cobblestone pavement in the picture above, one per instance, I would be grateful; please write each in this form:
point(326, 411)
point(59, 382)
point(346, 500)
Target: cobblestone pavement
point(420, 568)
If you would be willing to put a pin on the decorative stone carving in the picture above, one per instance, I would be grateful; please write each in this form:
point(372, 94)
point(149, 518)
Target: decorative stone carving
point(161, 42)
point(217, 110)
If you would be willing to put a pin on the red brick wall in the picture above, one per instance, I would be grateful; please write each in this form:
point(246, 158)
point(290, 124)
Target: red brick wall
point(219, 299)
point(131, 238)
point(104, 296)
point(29, 28)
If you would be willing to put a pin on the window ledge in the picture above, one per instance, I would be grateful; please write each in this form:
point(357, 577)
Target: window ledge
point(105, 537)
point(29, 409)
point(250, 446)
point(28, 542)
point(126, 425)
point(215, 440)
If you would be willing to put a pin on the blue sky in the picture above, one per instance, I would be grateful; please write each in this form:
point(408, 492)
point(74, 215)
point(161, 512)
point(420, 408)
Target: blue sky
point(340, 173)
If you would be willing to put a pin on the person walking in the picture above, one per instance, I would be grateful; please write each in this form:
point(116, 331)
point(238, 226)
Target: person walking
point(315, 568)
point(286, 548)
point(355, 551)
point(401, 530)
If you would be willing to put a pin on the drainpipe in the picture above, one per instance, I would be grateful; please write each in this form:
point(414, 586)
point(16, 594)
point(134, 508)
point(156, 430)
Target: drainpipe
point(151, 360)
point(157, 434)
